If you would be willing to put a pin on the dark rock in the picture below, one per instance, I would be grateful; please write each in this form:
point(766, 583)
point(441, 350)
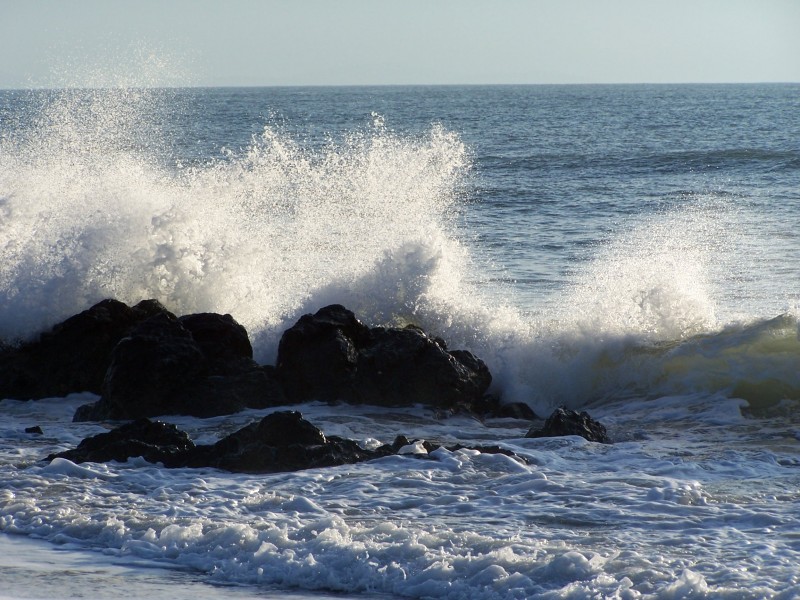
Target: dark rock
point(74, 355)
point(564, 421)
point(282, 441)
point(161, 369)
point(221, 339)
point(331, 356)
point(149, 368)
point(36, 430)
point(490, 406)
point(152, 440)
point(405, 366)
point(317, 356)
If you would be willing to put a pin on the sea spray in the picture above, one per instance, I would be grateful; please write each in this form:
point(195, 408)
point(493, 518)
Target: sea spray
point(96, 200)
point(89, 212)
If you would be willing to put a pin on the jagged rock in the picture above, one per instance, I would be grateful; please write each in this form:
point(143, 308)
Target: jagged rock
point(161, 369)
point(74, 355)
point(152, 440)
point(222, 340)
point(564, 421)
point(332, 356)
point(282, 441)
point(317, 356)
point(405, 366)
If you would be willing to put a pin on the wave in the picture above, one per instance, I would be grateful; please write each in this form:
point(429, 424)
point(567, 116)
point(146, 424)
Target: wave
point(89, 211)
point(91, 208)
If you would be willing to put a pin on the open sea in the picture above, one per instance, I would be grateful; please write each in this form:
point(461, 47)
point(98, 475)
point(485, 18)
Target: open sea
point(628, 250)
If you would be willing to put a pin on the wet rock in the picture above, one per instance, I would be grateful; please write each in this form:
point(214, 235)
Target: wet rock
point(282, 441)
point(405, 366)
point(564, 421)
point(490, 406)
point(160, 368)
point(222, 340)
point(74, 355)
point(318, 355)
point(152, 440)
point(332, 356)
point(35, 430)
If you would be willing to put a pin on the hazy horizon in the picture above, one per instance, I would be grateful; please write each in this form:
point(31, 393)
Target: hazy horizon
point(276, 43)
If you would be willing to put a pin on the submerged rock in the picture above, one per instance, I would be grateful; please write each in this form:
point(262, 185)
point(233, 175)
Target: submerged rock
point(332, 356)
point(282, 441)
point(564, 421)
point(490, 406)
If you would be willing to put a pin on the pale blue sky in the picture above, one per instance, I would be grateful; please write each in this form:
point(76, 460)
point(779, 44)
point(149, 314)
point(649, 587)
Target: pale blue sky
point(341, 42)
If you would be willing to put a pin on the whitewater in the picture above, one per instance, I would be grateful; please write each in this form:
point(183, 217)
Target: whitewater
point(626, 250)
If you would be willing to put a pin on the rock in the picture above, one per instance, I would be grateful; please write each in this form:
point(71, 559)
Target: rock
point(317, 356)
point(161, 369)
point(150, 369)
point(153, 441)
point(332, 356)
point(405, 366)
point(282, 441)
point(564, 421)
point(35, 430)
point(222, 340)
point(74, 355)
point(490, 406)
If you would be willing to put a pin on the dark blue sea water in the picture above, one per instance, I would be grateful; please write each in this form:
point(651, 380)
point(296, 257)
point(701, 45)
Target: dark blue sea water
point(628, 250)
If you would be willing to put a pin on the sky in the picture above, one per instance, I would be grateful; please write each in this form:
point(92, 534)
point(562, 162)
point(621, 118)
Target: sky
point(55, 43)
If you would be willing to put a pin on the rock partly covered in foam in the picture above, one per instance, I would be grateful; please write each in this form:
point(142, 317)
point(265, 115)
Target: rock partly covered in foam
point(282, 441)
point(564, 421)
point(332, 356)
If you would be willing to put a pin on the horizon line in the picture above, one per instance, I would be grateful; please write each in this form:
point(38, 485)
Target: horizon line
point(390, 85)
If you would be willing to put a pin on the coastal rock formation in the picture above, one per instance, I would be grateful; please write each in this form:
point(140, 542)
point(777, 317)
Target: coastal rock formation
point(282, 441)
point(74, 355)
point(332, 356)
point(199, 365)
point(564, 421)
point(144, 361)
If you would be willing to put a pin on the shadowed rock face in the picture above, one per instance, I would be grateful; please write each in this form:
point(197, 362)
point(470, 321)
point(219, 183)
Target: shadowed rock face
point(282, 441)
point(160, 368)
point(153, 441)
point(332, 356)
point(564, 421)
point(144, 362)
point(74, 355)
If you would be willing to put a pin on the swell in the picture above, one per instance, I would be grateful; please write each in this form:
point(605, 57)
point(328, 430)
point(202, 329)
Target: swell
point(91, 208)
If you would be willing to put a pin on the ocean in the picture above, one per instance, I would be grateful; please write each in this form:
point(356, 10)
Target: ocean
point(628, 250)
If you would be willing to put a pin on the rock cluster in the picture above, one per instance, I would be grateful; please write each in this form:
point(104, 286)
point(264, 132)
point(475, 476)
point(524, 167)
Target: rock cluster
point(281, 441)
point(331, 355)
point(144, 362)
